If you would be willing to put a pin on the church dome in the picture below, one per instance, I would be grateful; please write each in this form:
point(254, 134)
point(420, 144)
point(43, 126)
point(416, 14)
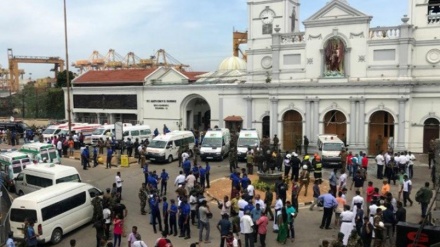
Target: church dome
point(232, 63)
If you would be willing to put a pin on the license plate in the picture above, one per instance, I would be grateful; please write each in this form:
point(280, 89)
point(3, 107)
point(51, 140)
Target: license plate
point(209, 158)
point(152, 159)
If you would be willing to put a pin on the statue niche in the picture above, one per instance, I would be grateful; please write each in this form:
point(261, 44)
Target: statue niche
point(334, 57)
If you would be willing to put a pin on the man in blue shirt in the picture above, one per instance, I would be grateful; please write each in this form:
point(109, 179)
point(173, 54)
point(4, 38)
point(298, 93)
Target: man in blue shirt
point(95, 156)
point(31, 239)
point(109, 158)
point(152, 181)
point(329, 202)
point(245, 181)
point(186, 167)
point(155, 213)
point(208, 170)
point(202, 172)
point(163, 182)
point(173, 218)
point(165, 213)
point(195, 170)
point(85, 157)
point(235, 181)
point(184, 216)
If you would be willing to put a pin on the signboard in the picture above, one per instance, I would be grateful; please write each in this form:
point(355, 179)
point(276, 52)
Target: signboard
point(406, 233)
point(119, 130)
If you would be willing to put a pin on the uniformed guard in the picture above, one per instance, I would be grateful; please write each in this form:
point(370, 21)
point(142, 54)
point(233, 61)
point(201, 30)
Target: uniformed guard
point(179, 155)
point(143, 198)
point(232, 160)
point(97, 208)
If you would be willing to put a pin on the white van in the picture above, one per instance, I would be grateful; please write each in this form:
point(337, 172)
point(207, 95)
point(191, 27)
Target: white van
point(86, 130)
point(11, 164)
point(44, 175)
point(330, 147)
point(41, 151)
point(215, 144)
point(140, 132)
point(104, 132)
point(165, 147)
point(56, 210)
point(54, 130)
point(248, 138)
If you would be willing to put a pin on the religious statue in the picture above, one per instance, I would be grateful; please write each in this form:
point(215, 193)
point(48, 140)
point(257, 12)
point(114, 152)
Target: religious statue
point(334, 58)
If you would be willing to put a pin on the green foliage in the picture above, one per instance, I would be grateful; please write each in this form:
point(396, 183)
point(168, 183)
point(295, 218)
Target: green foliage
point(260, 185)
point(62, 79)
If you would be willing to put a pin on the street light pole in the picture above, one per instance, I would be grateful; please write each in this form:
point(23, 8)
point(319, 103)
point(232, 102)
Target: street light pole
point(69, 119)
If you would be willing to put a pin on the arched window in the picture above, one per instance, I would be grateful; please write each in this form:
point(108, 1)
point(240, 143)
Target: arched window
point(433, 11)
point(334, 58)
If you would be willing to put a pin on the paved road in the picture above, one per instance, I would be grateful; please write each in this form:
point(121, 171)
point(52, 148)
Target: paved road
point(306, 224)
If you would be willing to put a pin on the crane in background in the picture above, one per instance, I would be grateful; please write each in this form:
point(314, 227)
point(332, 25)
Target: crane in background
point(15, 72)
point(239, 38)
point(112, 60)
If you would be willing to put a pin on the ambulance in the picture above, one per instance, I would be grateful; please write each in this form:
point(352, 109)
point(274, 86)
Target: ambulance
point(215, 144)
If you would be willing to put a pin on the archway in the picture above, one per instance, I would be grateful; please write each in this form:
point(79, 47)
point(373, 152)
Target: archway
point(292, 129)
point(266, 126)
point(431, 130)
point(198, 114)
point(335, 123)
point(381, 129)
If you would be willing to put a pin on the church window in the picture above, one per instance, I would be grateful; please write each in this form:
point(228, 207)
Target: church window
point(434, 11)
point(334, 58)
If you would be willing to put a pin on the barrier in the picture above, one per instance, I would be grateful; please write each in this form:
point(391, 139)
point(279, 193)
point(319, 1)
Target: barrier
point(124, 161)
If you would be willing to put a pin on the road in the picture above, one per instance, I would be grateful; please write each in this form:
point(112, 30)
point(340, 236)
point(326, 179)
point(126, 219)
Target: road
point(306, 224)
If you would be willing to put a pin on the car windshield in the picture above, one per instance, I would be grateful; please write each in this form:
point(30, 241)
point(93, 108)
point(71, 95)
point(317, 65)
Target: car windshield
point(98, 131)
point(248, 142)
point(49, 131)
point(332, 146)
point(212, 142)
point(157, 144)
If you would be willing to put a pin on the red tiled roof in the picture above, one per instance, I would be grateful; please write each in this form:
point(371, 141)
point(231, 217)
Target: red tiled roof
point(192, 75)
point(233, 118)
point(113, 76)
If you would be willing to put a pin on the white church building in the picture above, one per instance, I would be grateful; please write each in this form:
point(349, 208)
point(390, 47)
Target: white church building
point(338, 76)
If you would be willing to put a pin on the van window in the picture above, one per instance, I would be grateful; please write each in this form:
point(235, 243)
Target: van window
point(135, 133)
point(63, 206)
point(20, 177)
point(16, 166)
point(53, 155)
point(178, 143)
point(157, 144)
point(19, 215)
point(71, 178)
point(333, 146)
point(145, 132)
point(38, 181)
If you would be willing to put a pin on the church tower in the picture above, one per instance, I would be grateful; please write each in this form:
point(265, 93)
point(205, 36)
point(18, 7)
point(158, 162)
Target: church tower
point(424, 15)
point(267, 16)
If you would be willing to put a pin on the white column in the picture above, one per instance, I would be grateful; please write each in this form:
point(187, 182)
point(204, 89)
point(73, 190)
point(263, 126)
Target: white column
point(308, 118)
point(401, 125)
point(98, 118)
point(248, 112)
point(220, 112)
point(273, 117)
point(352, 136)
point(361, 124)
point(314, 137)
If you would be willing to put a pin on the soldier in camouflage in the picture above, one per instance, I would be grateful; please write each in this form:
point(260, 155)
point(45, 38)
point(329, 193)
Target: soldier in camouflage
point(143, 198)
point(232, 160)
point(338, 242)
point(354, 240)
point(97, 208)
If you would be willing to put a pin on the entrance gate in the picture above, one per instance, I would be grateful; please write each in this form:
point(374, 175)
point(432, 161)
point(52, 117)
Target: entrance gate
point(292, 129)
point(381, 129)
point(430, 131)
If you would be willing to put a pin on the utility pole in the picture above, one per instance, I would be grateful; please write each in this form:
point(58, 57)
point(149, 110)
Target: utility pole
point(69, 110)
point(22, 104)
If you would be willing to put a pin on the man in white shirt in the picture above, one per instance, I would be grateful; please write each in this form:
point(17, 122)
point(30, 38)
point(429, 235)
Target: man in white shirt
point(107, 216)
point(180, 179)
point(184, 156)
point(380, 162)
point(193, 205)
point(410, 157)
point(250, 190)
point(247, 229)
point(139, 242)
point(226, 206)
point(358, 199)
point(259, 201)
point(60, 148)
point(387, 157)
point(406, 189)
point(343, 181)
point(118, 182)
point(278, 207)
point(190, 181)
point(242, 203)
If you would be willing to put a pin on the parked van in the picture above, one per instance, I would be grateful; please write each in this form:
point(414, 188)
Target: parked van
point(330, 147)
point(165, 147)
point(215, 144)
point(57, 210)
point(43, 175)
point(107, 130)
point(18, 126)
point(86, 130)
point(248, 138)
point(11, 164)
point(41, 151)
point(141, 132)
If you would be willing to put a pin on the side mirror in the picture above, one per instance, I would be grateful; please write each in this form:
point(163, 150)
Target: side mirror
point(320, 149)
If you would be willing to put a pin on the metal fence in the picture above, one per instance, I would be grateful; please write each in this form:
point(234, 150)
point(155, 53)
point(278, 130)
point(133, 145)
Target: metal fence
point(5, 204)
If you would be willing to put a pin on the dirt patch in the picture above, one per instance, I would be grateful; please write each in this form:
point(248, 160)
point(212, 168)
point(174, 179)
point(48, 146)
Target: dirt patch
point(221, 187)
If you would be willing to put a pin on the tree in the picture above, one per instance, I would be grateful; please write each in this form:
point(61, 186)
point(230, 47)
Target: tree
point(62, 80)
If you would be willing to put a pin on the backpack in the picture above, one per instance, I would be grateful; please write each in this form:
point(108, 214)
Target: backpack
point(419, 196)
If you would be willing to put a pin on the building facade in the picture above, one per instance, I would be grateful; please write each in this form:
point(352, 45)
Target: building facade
point(374, 87)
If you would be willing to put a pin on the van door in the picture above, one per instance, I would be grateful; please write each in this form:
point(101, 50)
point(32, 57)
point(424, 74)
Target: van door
point(20, 184)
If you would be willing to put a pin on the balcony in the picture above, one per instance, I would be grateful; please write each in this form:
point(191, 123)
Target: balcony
point(292, 38)
point(380, 33)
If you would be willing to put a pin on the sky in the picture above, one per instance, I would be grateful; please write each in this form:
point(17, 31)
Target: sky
point(195, 32)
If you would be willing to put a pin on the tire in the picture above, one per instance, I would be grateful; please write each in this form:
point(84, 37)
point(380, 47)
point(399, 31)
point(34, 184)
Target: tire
point(221, 157)
point(57, 236)
point(20, 193)
point(170, 159)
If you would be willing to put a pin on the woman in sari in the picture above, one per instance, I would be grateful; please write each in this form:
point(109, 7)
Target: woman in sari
point(282, 224)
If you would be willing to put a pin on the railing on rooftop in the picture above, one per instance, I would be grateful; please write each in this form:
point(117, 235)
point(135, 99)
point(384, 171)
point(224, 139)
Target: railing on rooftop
point(378, 33)
point(292, 38)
